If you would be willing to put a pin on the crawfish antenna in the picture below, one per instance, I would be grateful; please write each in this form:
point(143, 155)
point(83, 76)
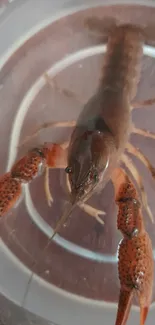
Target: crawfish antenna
point(64, 218)
point(58, 226)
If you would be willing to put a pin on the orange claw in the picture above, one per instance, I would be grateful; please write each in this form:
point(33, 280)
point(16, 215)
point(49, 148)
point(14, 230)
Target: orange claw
point(10, 191)
point(25, 170)
point(135, 256)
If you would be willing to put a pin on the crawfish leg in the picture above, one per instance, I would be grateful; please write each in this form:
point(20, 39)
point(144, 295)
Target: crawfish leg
point(47, 125)
point(53, 84)
point(142, 132)
point(48, 194)
point(137, 153)
point(143, 104)
point(93, 212)
point(60, 164)
point(134, 172)
point(135, 256)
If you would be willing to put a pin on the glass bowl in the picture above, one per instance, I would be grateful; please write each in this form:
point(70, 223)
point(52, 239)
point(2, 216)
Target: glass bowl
point(75, 279)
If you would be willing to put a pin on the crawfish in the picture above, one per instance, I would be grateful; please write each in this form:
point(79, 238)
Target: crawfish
point(95, 150)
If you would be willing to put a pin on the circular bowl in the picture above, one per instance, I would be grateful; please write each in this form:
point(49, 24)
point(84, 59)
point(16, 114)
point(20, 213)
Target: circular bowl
point(76, 277)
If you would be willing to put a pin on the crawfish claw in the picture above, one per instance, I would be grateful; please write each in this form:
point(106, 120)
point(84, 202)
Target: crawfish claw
point(135, 255)
point(143, 314)
point(124, 306)
point(10, 191)
point(30, 166)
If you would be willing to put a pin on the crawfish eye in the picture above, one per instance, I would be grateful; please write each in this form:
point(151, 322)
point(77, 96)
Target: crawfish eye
point(94, 176)
point(38, 151)
point(68, 170)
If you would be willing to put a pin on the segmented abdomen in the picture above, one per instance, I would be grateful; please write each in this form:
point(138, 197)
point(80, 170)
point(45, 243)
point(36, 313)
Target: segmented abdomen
point(121, 70)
